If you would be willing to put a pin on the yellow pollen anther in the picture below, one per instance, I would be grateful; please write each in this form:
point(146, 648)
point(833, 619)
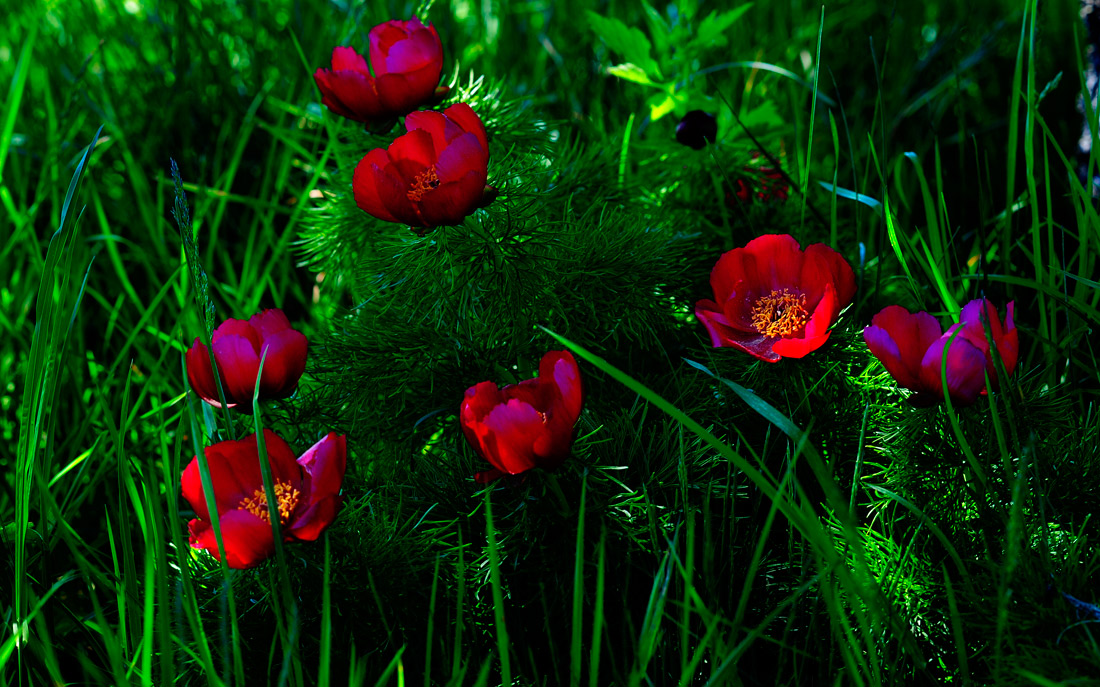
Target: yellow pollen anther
point(422, 183)
point(780, 313)
point(286, 495)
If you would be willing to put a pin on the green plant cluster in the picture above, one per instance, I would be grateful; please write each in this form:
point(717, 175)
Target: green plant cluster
point(722, 521)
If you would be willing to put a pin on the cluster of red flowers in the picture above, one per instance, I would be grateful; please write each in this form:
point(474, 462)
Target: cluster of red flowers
point(773, 300)
point(307, 489)
point(435, 174)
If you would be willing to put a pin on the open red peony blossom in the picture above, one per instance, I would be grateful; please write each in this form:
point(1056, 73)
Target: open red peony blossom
point(238, 347)
point(432, 176)
point(526, 425)
point(308, 490)
point(775, 301)
point(407, 58)
point(912, 348)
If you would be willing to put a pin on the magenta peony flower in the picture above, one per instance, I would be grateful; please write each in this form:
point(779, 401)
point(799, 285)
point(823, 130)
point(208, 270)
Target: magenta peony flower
point(238, 346)
point(407, 58)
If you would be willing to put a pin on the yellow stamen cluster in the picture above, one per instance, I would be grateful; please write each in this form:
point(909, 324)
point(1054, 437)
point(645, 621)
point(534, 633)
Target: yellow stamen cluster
point(422, 183)
point(780, 313)
point(286, 495)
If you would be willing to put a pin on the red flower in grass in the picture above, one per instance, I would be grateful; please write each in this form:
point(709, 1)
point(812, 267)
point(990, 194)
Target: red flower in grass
point(238, 347)
point(407, 58)
point(308, 490)
point(773, 300)
point(432, 176)
point(526, 425)
point(912, 349)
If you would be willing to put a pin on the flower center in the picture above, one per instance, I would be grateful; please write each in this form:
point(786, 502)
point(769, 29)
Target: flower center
point(286, 495)
point(780, 313)
point(422, 183)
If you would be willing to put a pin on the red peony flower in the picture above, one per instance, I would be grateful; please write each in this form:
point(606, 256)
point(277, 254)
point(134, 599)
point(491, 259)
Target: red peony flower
point(911, 347)
point(432, 176)
point(308, 489)
point(238, 347)
point(526, 425)
point(775, 301)
point(407, 58)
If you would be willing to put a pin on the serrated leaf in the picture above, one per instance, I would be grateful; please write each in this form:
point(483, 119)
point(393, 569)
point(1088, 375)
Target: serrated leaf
point(629, 42)
point(631, 72)
point(658, 28)
point(711, 30)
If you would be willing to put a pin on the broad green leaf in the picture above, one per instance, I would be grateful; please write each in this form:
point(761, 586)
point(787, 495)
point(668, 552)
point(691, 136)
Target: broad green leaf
point(660, 104)
point(629, 42)
point(712, 28)
point(632, 72)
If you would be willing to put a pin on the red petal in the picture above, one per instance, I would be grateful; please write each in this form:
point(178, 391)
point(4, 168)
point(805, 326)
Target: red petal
point(382, 39)
point(798, 348)
point(714, 320)
point(422, 48)
point(1009, 348)
point(365, 188)
point(432, 122)
point(970, 320)
point(560, 369)
point(191, 485)
point(323, 466)
point(415, 146)
point(346, 58)
point(269, 321)
point(234, 473)
point(487, 476)
point(323, 78)
point(201, 375)
point(309, 525)
point(450, 203)
point(510, 433)
point(965, 370)
point(823, 265)
point(462, 155)
point(777, 260)
point(238, 364)
point(284, 363)
point(232, 327)
point(479, 401)
point(465, 117)
point(723, 335)
point(728, 275)
point(354, 95)
point(399, 95)
point(284, 464)
point(394, 193)
point(899, 340)
point(247, 538)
